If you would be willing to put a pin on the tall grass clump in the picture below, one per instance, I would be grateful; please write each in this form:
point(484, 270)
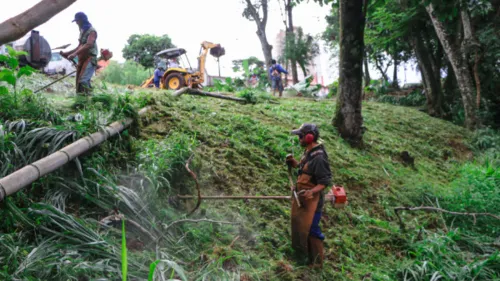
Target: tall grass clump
point(466, 248)
point(128, 73)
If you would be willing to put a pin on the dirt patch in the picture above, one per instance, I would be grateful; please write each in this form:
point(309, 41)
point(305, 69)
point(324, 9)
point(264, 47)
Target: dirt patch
point(460, 150)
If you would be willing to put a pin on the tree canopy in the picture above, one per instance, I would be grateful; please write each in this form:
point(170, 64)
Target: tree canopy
point(142, 48)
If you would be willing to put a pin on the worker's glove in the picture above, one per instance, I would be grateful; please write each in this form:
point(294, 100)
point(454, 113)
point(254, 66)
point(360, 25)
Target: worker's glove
point(308, 194)
point(291, 161)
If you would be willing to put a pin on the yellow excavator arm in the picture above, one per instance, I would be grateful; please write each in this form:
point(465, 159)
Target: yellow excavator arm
point(206, 46)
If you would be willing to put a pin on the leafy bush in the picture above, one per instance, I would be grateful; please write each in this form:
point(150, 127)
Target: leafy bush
point(128, 73)
point(465, 251)
point(415, 98)
point(333, 89)
point(452, 256)
point(379, 88)
point(20, 103)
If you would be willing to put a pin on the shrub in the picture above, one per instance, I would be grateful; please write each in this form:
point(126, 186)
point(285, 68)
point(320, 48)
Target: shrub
point(128, 73)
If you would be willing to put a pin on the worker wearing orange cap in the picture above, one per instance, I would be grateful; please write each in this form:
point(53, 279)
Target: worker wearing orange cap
point(313, 176)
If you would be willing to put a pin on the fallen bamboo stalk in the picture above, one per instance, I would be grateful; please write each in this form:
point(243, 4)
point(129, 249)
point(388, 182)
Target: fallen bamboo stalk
point(14, 182)
point(196, 92)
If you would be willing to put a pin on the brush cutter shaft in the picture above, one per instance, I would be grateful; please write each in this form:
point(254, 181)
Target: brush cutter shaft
point(48, 85)
point(328, 197)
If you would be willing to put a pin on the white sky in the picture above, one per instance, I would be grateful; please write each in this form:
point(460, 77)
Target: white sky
point(187, 22)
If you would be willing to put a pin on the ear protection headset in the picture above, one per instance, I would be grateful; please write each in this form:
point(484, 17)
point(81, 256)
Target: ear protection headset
point(309, 138)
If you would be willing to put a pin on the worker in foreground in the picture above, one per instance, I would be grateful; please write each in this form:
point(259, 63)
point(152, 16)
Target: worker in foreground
point(86, 52)
point(276, 82)
point(314, 175)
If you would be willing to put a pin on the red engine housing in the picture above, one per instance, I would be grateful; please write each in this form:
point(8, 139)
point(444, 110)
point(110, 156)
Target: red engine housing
point(337, 196)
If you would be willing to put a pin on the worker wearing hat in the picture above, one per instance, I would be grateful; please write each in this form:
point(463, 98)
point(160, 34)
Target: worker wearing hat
point(314, 175)
point(86, 52)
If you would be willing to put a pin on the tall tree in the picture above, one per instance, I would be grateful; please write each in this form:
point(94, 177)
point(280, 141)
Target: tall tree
point(290, 34)
point(300, 49)
point(366, 71)
point(257, 11)
point(142, 48)
point(18, 26)
point(348, 119)
point(457, 54)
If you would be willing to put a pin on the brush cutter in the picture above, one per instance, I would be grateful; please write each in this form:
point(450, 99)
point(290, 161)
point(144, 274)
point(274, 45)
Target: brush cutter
point(61, 47)
point(105, 55)
point(336, 195)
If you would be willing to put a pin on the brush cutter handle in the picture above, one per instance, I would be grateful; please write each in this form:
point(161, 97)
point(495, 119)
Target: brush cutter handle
point(290, 178)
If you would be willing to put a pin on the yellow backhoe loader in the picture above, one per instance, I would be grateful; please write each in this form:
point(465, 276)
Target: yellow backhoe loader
point(175, 78)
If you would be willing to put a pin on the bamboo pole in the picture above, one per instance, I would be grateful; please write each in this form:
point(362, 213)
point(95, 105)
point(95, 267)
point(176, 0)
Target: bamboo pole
point(28, 174)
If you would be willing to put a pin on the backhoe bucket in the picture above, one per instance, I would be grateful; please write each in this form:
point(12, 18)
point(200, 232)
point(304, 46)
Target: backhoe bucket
point(217, 51)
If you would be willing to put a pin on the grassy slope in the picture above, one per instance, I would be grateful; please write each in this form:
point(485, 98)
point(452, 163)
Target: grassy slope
point(241, 151)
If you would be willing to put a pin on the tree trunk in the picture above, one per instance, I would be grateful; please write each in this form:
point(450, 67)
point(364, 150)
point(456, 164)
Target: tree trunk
point(458, 60)
point(395, 83)
point(348, 119)
point(290, 32)
point(431, 80)
point(18, 26)
point(366, 71)
point(379, 65)
point(261, 31)
point(266, 47)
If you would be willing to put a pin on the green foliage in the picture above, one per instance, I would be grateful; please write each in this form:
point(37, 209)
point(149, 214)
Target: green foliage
point(229, 85)
point(124, 252)
point(252, 66)
point(20, 103)
point(142, 48)
point(415, 98)
point(464, 252)
point(301, 48)
point(333, 89)
point(238, 149)
point(451, 256)
point(175, 269)
point(248, 95)
point(128, 73)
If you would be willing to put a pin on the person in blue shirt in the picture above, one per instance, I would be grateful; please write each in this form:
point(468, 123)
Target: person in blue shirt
point(158, 75)
point(276, 82)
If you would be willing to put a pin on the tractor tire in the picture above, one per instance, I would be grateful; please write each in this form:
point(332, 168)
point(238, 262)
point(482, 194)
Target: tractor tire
point(174, 81)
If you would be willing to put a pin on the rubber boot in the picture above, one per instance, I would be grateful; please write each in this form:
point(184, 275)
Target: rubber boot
point(316, 252)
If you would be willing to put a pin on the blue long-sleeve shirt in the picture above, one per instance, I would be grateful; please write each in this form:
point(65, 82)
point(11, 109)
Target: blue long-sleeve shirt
point(157, 75)
point(278, 68)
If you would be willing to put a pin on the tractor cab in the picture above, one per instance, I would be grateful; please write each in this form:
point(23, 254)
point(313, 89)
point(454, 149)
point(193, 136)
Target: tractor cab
point(172, 58)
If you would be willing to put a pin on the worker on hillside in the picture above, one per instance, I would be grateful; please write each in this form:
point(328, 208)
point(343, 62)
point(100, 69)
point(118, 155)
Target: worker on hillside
point(314, 175)
point(276, 82)
point(86, 52)
point(158, 74)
